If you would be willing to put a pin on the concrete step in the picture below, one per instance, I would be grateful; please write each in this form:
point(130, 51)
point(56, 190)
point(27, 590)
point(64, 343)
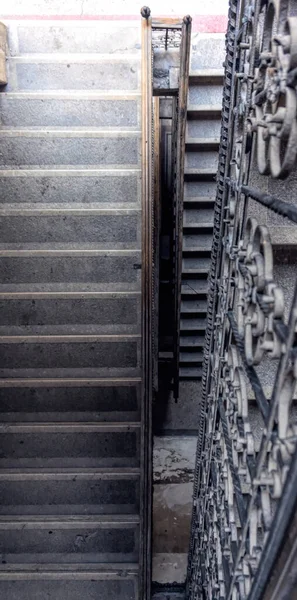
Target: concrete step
point(67, 37)
point(72, 540)
point(84, 186)
point(57, 399)
point(69, 491)
point(75, 109)
point(68, 147)
point(114, 313)
point(69, 445)
point(69, 582)
point(73, 72)
point(68, 356)
point(197, 213)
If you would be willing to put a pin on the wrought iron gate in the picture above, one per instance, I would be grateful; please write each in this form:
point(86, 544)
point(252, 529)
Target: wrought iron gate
point(245, 490)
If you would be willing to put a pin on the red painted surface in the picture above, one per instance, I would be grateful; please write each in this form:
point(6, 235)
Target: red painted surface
point(201, 23)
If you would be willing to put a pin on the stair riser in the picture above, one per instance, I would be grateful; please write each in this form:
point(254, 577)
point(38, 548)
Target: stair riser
point(71, 75)
point(19, 400)
point(77, 38)
point(43, 589)
point(69, 497)
point(59, 545)
point(104, 268)
point(27, 112)
point(53, 188)
point(58, 450)
point(69, 151)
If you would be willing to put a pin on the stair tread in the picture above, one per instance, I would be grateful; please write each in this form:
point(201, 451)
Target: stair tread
point(67, 426)
point(68, 473)
point(51, 568)
point(17, 521)
point(199, 200)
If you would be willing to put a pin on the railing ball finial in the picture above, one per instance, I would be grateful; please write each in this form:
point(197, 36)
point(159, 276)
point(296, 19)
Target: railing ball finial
point(145, 12)
point(187, 19)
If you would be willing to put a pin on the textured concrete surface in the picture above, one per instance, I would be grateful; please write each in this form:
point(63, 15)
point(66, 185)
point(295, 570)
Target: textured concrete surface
point(170, 568)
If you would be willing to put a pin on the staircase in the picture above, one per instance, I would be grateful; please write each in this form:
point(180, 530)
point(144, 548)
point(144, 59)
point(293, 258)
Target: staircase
point(70, 257)
point(202, 144)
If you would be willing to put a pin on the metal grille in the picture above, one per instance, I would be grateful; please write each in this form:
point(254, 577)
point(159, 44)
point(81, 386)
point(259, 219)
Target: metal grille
point(245, 490)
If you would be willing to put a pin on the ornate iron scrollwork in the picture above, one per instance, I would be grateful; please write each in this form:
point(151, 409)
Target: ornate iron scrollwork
point(245, 486)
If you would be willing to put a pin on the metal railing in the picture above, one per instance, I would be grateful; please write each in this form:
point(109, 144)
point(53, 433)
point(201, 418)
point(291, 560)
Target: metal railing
point(245, 490)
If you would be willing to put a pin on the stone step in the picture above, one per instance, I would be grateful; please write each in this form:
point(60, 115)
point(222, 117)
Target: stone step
point(211, 76)
point(198, 143)
point(69, 582)
point(69, 445)
point(79, 270)
point(69, 540)
point(204, 111)
point(107, 187)
point(199, 189)
point(205, 93)
point(73, 72)
point(190, 373)
point(68, 356)
point(208, 52)
point(106, 314)
point(68, 147)
point(191, 357)
point(199, 202)
point(205, 159)
point(65, 228)
point(60, 37)
point(69, 491)
point(191, 341)
point(192, 324)
point(197, 287)
point(69, 400)
point(198, 213)
point(197, 174)
point(197, 265)
point(195, 307)
point(192, 241)
point(69, 110)
point(205, 127)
